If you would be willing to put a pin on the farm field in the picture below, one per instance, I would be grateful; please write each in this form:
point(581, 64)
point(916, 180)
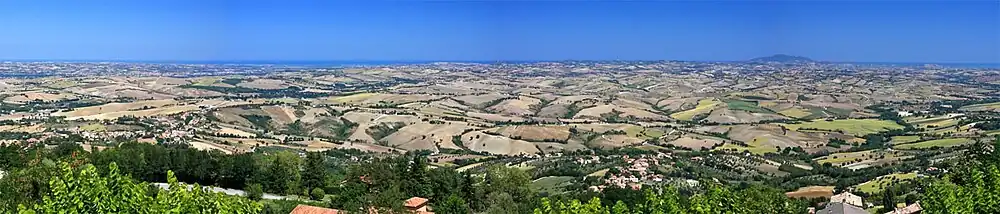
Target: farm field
point(983, 107)
point(96, 127)
point(599, 173)
point(637, 131)
point(534, 133)
point(856, 127)
point(876, 185)
point(756, 147)
point(862, 159)
point(551, 184)
point(950, 142)
point(697, 143)
point(704, 107)
point(811, 192)
point(937, 123)
point(904, 139)
point(746, 106)
point(795, 112)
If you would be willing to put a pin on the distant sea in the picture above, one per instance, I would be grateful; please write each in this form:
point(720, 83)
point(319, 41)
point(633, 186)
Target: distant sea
point(915, 64)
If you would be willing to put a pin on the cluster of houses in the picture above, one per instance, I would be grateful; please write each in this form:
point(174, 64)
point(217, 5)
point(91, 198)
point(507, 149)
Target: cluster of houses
point(634, 174)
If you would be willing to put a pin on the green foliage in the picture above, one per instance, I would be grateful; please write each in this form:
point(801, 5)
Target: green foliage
point(714, 199)
point(341, 129)
point(315, 172)
point(508, 190)
point(232, 81)
point(283, 173)
point(749, 106)
point(384, 129)
point(974, 188)
point(415, 180)
point(591, 207)
point(297, 128)
point(572, 109)
point(262, 122)
point(85, 191)
point(452, 205)
point(317, 194)
point(255, 192)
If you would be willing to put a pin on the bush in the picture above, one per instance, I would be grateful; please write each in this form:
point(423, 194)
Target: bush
point(317, 194)
point(255, 192)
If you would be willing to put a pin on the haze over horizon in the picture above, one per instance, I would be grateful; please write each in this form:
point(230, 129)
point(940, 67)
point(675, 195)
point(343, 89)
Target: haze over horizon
point(932, 32)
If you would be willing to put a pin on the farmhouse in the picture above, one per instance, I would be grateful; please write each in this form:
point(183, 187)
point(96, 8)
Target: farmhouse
point(417, 205)
point(911, 209)
point(847, 198)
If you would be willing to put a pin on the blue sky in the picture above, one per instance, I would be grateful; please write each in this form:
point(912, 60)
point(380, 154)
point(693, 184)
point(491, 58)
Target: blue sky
point(883, 31)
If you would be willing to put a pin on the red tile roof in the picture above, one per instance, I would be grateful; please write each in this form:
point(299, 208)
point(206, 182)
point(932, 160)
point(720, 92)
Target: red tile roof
point(415, 202)
point(306, 209)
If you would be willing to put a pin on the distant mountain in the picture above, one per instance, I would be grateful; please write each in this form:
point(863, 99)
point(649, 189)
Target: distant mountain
point(782, 59)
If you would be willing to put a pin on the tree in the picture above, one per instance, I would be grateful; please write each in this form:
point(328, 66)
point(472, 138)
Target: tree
point(974, 187)
point(888, 200)
point(317, 194)
point(85, 191)
point(314, 173)
point(574, 206)
point(283, 173)
point(445, 182)
point(501, 203)
point(619, 208)
point(415, 181)
point(503, 182)
point(238, 170)
point(255, 192)
point(453, 204)
point(374, 184)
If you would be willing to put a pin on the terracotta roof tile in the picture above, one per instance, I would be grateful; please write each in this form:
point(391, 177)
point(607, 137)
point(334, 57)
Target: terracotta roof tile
point(415, 202)
point(306, 209)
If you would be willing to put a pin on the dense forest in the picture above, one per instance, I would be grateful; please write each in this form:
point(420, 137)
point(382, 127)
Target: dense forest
point(67, 179)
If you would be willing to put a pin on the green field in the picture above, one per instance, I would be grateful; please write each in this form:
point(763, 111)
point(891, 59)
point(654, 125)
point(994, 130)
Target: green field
point(840, 112)
point(856, 127)
point(982, 107)
point(704, 106)
point(750, 106)
point(837, 158)
point(756, 147)
point(551, 184)
point(633, 131)
point(870, 156)
point(904, 139)
point(936, 123)
point(932, 143)
point(796, 112)
point(876, 185)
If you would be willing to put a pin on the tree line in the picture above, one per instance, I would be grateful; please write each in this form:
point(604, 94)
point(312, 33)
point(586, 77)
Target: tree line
point(67, 178)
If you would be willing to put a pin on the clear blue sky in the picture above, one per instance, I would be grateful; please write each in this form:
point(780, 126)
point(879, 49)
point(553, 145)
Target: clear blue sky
point(885, 31)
